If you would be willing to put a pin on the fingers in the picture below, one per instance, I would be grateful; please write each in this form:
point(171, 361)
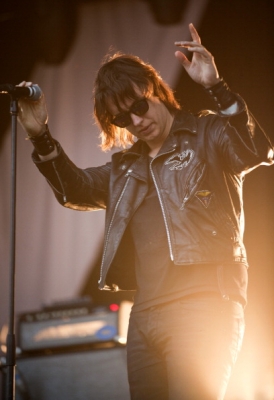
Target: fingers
point(189, 45)
point(195, 48)
point(25, 84)
point(195, 39)
point(194, 34)
point(183, 59)
point(181, 44)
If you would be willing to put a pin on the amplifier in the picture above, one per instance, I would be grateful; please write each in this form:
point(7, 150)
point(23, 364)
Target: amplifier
point(73, 326)
point(95, 374)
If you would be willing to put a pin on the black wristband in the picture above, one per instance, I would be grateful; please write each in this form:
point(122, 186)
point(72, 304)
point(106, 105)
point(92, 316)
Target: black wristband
point(222, 96)
point(44, 144)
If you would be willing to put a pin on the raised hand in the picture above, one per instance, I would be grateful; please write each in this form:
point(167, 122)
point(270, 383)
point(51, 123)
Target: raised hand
point(201, 68)
point(32, 115)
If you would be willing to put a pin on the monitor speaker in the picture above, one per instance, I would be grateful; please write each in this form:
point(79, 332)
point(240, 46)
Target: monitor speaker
point(98, 374)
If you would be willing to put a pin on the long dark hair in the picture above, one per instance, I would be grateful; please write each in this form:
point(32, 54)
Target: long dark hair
point(116, 81)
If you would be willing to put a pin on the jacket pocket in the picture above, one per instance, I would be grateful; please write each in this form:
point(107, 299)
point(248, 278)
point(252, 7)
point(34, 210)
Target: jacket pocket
point(194, 179)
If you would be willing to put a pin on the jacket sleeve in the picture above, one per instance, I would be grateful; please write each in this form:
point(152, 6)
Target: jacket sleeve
point(240, 141)
point(73, 187)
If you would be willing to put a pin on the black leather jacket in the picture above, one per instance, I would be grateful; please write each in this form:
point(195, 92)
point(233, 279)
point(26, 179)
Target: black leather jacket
point(198, 174)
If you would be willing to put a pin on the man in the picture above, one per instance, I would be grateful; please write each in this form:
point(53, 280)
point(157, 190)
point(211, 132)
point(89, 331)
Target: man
point(174, 218)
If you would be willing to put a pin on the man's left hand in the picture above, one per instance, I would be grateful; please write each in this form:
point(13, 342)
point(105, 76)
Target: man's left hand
point(201, 68)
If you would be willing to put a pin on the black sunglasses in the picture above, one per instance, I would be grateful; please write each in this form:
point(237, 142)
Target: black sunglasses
point(139, 107)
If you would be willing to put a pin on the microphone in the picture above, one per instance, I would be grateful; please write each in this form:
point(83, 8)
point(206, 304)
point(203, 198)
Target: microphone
point(29, 92)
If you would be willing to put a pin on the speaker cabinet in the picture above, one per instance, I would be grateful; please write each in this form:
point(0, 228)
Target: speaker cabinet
point(98, 374)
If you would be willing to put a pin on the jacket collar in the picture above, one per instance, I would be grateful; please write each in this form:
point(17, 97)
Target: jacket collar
point(184, 121)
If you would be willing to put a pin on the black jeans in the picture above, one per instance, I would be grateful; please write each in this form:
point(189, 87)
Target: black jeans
point(184, 350)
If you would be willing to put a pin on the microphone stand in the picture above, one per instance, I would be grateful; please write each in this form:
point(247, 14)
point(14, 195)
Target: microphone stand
point(11, 345)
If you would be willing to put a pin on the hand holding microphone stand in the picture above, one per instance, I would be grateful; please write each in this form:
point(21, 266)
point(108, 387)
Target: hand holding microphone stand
point(15, 92)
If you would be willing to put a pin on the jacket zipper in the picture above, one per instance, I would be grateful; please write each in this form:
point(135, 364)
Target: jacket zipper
point(162, 207)
point(110, 225)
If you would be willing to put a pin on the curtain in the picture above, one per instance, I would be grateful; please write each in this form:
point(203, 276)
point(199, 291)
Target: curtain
point(55, 246)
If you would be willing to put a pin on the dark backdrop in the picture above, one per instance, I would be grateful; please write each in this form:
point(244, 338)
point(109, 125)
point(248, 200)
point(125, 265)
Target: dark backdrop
point(240, 35)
